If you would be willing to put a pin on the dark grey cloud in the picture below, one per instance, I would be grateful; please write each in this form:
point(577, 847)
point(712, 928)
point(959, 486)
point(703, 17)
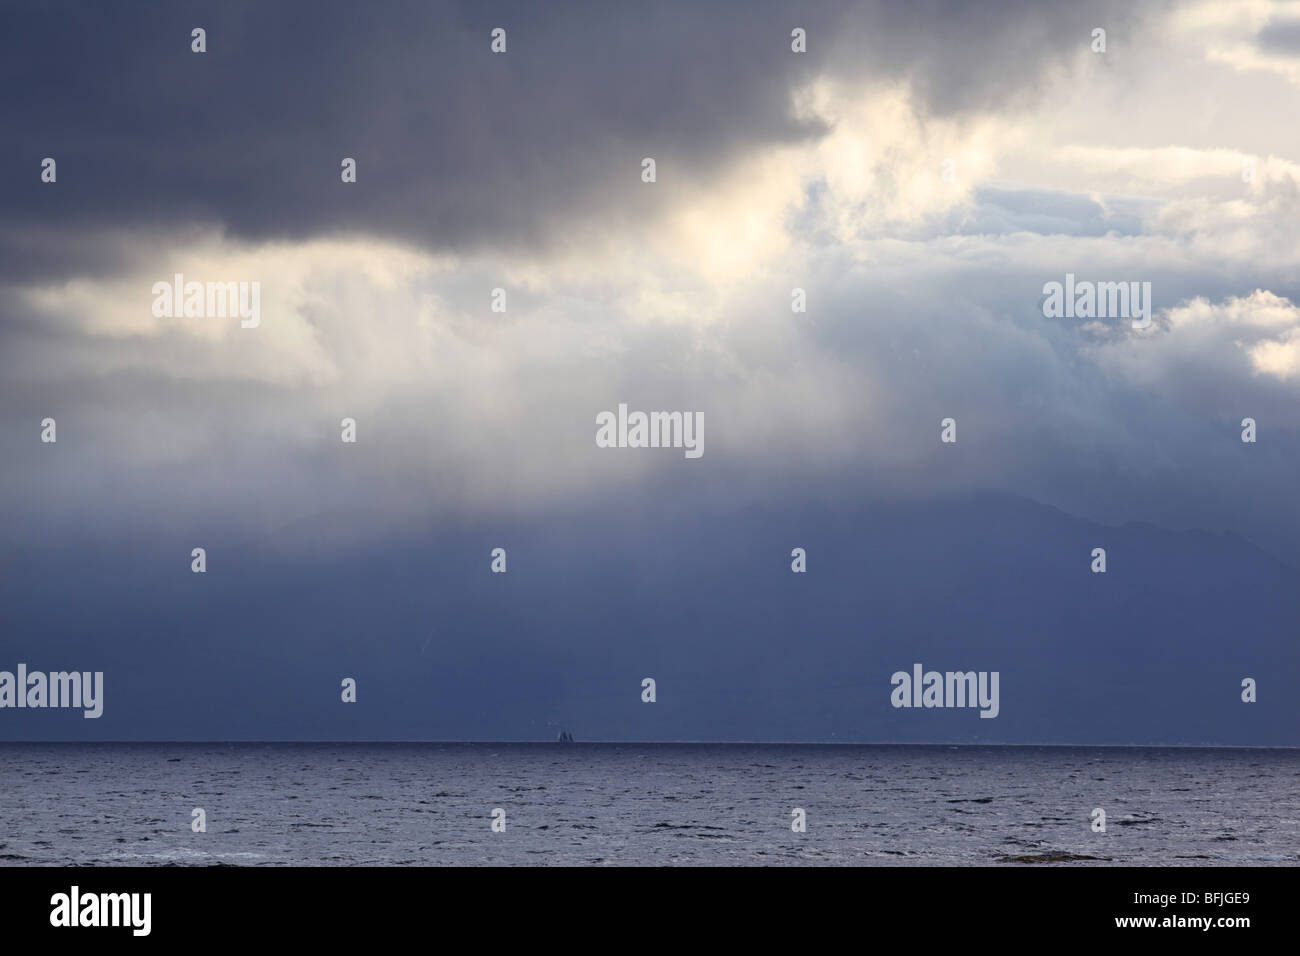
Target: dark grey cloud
point(1280, 36)
point(456, 147)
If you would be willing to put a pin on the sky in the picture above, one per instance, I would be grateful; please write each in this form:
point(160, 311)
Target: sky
point(920, 172)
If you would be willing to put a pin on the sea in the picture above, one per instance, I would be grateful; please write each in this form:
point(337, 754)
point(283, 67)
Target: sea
point(611, 804)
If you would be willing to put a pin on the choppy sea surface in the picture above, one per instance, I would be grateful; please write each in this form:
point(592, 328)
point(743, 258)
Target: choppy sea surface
point(653, 804)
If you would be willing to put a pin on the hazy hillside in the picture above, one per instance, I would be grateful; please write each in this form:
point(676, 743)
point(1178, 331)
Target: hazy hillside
point(1153, 651)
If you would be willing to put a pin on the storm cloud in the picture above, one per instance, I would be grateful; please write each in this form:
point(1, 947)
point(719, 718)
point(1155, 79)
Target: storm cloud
point(919, 174)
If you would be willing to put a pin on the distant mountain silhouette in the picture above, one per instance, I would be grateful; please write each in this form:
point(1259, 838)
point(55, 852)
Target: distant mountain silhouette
point(1153, 651)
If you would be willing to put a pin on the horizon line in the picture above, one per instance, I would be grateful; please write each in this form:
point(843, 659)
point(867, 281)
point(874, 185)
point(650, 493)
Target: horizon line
point(726, 743)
